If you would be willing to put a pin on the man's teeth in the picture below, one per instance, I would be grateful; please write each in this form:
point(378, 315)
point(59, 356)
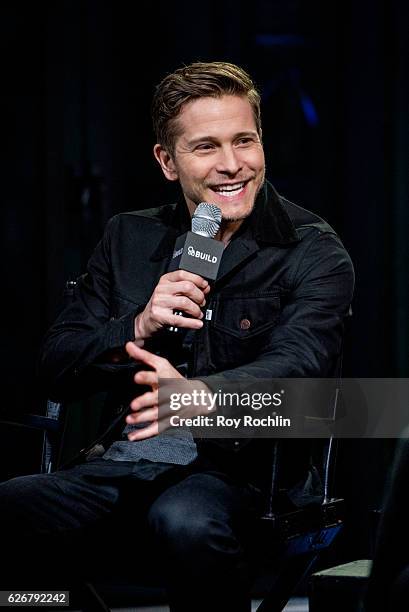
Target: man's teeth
point(229, 190)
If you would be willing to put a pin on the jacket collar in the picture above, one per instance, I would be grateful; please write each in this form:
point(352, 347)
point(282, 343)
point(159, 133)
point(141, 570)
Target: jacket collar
point(268, 223)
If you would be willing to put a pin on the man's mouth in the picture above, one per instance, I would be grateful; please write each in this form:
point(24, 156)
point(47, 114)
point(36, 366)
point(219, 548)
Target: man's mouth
point(230, 190)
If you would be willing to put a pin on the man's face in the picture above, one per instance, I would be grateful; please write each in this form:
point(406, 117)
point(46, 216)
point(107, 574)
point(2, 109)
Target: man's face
point(218, 156)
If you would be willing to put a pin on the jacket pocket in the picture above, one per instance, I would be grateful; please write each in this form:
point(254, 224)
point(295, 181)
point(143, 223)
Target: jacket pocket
point(241, 328)
point(246, 316)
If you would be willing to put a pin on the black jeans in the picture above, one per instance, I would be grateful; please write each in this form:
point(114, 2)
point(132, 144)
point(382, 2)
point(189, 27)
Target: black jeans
point(193, 521)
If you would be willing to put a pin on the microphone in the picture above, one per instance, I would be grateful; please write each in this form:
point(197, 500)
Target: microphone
point(196, 251)
point(206, 220)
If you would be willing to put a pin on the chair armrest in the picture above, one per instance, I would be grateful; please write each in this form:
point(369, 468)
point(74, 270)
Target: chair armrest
point(34, 421)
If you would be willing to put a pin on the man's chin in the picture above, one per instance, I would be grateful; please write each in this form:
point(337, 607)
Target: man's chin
point(231, 217)
point(234, 219)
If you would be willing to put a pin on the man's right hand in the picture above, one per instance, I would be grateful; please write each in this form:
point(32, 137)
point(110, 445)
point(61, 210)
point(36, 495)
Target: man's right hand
point(175, 291)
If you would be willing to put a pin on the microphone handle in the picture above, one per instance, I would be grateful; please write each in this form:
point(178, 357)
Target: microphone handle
point(172, 328)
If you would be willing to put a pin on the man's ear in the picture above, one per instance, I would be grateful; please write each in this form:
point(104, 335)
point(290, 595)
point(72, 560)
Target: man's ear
point(166, 162)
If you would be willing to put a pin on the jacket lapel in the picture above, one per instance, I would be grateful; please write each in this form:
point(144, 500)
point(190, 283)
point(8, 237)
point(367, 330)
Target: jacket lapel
point(236, 253)
point(268, 224)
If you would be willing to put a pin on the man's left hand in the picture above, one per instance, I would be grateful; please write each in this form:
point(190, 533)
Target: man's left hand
point(145, 408)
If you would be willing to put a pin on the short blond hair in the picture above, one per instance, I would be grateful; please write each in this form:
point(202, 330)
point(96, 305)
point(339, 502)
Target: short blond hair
point(198, 80)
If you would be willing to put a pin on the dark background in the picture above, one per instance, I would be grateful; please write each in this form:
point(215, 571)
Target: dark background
point(77, 79)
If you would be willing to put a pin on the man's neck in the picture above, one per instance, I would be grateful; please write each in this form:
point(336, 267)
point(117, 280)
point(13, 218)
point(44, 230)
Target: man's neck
point(227, 230)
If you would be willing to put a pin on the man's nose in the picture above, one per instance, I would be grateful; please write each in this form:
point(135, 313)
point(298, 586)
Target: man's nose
point(229, 161)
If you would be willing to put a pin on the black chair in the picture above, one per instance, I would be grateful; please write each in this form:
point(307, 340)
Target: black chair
point(287, 543)
point(388, 584)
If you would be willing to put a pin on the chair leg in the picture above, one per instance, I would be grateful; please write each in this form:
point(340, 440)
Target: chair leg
point(293, 572)
point(89, 600)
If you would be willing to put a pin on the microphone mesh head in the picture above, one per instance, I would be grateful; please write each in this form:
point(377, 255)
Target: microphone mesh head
point(206, 220)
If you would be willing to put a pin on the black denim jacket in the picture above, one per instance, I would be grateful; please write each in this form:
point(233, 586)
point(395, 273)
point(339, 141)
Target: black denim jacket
point(285, 272)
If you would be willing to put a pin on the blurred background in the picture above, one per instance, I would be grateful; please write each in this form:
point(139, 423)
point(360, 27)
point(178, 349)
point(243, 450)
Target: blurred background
point(77, 78)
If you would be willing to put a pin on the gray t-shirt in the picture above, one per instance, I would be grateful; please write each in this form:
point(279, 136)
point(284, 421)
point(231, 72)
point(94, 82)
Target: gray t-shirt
point(170, 447)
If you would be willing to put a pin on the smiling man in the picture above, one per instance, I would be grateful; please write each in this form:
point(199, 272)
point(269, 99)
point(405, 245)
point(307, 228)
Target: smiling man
point(218, 157)
point(275, 310)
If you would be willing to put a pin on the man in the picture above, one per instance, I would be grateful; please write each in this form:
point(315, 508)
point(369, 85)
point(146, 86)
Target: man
point(277, 306)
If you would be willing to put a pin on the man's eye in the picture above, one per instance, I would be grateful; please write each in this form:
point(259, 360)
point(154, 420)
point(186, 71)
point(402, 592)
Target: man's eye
point(244, 141)
point(206, 146)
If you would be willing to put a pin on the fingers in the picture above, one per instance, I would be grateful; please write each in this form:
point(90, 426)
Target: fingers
point(145, 408)
point(162, 304)
point(183, 275)
point(146, 378)
point(147, 432)
point(170, 294)
point(181, 302)
point(140, 354)
point(176, 291)
point(162, 367)
point(185, 283)
point(161, 317)
point(188, 289)
point(186, 322)
point(146, 400)
point(146, 416)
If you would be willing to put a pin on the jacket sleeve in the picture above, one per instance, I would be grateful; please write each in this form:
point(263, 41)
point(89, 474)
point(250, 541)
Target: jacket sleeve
point(307, 339)
point(79, 349)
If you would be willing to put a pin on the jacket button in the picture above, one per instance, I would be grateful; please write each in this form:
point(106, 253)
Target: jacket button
point(245, 324)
